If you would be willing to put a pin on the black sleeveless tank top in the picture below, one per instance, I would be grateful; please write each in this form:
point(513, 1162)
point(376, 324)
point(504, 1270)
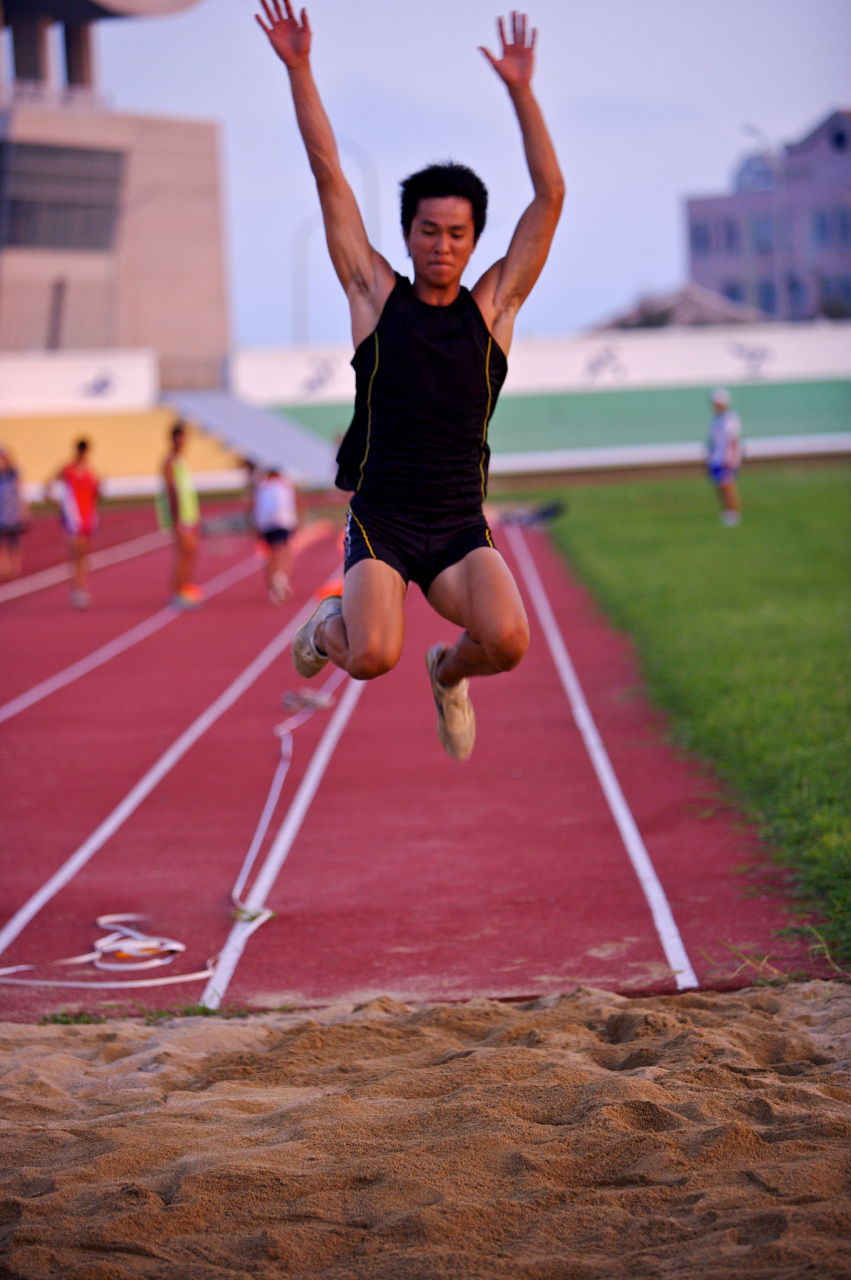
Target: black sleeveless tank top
point(427, 381)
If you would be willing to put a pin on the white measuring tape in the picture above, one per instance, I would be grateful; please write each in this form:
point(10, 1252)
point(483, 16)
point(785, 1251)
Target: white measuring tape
point(127, 948)
point(124, 949)
point(304, 704)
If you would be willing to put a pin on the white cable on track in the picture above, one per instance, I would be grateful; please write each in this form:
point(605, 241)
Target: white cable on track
point(125, 948)
point(152, 778)
point(255, 904)
point(121, 643)
point(134, 949)
point(660, 909)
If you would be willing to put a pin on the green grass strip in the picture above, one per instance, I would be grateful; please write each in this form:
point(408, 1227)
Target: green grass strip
point(744, 635)
point(606, 418)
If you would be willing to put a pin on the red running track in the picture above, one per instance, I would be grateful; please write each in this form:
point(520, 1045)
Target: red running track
point(410, 874)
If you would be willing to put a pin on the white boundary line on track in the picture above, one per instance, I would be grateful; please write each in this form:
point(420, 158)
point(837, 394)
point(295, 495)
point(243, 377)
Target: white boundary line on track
point(98, 560)
point(120, 644)
point(152, 778)
point(663, 918)
point(230, 954)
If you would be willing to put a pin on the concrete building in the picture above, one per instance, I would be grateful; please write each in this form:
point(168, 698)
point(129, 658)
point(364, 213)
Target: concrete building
point(110, 223)
point(781, 241)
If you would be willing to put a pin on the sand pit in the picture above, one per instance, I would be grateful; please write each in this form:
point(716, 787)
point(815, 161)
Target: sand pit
point(701, 1135)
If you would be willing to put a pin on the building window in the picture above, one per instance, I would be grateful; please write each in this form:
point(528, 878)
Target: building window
point(836, 297)
point(58, 197)
point(732, 236)
point(797, 295)
point(734, 291)
point(821, 228)
point(766, 296)
point(701, 241)
point(843, 226)
point(762, 234)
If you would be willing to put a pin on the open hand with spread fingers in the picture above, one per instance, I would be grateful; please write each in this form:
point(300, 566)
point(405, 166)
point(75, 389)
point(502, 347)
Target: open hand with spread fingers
point(289, 37)
point(515, 66)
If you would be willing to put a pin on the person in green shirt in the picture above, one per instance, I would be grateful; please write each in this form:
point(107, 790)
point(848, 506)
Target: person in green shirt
point(180, 512)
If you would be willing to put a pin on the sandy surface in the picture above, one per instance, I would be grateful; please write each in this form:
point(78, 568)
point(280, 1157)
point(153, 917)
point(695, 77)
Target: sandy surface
point(703, 1135)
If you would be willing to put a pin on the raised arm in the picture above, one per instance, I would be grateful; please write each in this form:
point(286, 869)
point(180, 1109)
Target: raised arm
point(504, 287)
point(364, 274)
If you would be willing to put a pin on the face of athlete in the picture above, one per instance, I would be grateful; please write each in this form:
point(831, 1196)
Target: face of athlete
point(441, 241)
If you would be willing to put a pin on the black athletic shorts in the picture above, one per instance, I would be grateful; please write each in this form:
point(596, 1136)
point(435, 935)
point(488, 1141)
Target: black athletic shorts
point(417, 547)
point(274, 537)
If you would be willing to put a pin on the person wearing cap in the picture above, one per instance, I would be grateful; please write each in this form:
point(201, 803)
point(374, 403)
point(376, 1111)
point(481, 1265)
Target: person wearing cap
point(724, 455)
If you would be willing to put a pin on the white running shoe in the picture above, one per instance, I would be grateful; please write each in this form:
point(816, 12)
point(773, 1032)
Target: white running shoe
point(307, 659)
point(456, 720)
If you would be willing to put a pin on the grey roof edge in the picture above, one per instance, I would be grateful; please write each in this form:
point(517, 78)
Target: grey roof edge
point(268, 439)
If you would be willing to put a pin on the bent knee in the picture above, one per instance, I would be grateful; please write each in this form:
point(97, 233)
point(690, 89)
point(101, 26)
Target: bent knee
point(371, 661)
point(506, 648)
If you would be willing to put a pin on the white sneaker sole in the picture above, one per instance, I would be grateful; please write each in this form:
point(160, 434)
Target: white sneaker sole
point(456, 719)
point(306, 660)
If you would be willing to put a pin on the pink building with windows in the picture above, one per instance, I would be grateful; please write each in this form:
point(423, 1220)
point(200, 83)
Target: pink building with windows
point(781, 241)
point(110, 223)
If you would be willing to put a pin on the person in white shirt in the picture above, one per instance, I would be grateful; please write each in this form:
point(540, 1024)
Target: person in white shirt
point(276, 520)
point(724, 455)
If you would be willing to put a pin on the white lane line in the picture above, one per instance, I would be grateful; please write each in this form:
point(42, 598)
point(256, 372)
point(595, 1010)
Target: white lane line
point(663, 918)
point(155, 775)
point(98, 560)
point(228, 958)
point(120, 644)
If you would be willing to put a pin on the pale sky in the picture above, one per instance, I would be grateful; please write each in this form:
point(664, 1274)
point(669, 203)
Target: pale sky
point(645, 100)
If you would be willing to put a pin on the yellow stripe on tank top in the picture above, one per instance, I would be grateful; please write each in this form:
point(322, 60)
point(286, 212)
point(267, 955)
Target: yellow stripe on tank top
point(369, 417)
point(487, 414)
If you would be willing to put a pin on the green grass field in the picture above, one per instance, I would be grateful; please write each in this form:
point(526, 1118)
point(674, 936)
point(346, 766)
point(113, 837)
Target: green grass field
point(672, 415)
point(744, 636)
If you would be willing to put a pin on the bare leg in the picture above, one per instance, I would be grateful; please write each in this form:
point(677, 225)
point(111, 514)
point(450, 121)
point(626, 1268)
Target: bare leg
point(185, 554)
point(367, 640)
point(278, 569)
point(479, 594)
point(80, 548)
point(730, 499)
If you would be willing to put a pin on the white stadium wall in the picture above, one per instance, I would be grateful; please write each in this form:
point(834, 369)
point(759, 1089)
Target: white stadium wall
point(609, 360)
point(77, 382)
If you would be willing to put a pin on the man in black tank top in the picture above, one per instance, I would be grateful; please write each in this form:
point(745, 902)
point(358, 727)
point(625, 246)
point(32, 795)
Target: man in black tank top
point(430, 359)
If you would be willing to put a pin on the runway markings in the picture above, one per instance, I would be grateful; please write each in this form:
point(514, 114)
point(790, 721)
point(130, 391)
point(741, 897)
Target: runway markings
point(98, 560)
point(120, 644)
point(152, 778)
point(229, 956)
point(663, 918)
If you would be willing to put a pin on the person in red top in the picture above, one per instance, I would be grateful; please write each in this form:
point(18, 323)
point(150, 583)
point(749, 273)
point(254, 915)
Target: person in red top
point(78, 508)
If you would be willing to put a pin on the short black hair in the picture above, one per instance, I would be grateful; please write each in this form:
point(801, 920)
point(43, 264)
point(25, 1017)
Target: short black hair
point(447, 179)
point(82, 446)
point(179, 429)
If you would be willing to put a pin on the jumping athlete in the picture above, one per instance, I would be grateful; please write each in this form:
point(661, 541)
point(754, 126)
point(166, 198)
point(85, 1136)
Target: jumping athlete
point(430, 359)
